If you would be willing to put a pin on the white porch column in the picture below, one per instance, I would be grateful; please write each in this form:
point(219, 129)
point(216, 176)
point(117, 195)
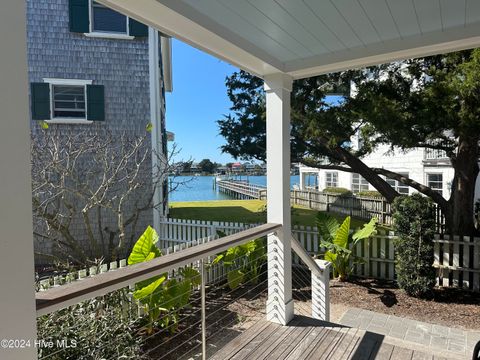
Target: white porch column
point(17, 292)
point(280, 303)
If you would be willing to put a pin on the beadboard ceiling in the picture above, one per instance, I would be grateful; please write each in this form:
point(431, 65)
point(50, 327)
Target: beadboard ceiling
point(307, 37)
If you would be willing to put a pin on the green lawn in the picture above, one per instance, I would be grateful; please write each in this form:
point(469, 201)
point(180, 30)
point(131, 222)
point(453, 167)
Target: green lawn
point(247, 211)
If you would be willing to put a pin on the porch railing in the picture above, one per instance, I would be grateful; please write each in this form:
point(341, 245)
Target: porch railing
point(63, 296)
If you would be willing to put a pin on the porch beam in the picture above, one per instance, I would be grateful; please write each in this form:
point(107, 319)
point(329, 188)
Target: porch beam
point(278, 88)
point(17, 287)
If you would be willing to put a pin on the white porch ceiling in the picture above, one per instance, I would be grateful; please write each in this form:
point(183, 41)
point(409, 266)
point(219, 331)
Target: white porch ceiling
point(309, 37)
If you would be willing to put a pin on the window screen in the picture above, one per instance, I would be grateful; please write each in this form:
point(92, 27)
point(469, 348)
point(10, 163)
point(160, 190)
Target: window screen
point(68, 101)
point(108, 20)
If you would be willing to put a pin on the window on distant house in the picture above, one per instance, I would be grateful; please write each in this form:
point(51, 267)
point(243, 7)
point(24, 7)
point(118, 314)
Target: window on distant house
point(435, 182)
point(359, 183)
point(67, 101)
point(107, 20)
point(398, 186)
point(331, 179)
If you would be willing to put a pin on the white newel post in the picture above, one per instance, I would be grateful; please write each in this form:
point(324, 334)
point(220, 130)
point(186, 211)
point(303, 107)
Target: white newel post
point(17, 287)
point(321, 292)
point(280, 303)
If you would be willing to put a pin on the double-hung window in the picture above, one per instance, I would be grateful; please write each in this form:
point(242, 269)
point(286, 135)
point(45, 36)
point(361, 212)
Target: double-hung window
point(331, 179)
point(359, 183)
point(106, 20)
point(435, 182)
point(398, 186)
point(67, 101)
point(96, 20)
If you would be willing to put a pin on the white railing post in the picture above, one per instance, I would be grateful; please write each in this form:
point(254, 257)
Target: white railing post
point(280, 302)
point(321, 292)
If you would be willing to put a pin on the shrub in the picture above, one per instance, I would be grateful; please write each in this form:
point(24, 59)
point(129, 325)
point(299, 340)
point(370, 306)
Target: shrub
point(369, 194)
point(414, 224)
point(339, 242)
point(99, 328)
point(337, 190)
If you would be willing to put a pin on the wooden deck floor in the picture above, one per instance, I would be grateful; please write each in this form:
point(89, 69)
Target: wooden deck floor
point(305, 338)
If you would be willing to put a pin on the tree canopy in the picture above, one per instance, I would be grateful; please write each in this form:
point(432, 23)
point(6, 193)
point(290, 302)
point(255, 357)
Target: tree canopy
point(431, 103)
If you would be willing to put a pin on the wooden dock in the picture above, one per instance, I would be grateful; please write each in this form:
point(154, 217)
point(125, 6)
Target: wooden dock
point(242, 190)
point(306, 338)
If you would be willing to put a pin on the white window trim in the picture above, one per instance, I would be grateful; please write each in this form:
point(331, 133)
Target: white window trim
point(334, 174)
point(105, 35)
point(360, 179)
point(435, 173)
point(74, 82)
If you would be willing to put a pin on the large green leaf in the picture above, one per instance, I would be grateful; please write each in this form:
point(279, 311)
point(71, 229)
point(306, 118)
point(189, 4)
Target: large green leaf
point(145, 248)
point(327, 226)
point(192, 275)
point(145, 289)
point(235, 278)
point(330, 256)
point(367, 230)
point(341, 237)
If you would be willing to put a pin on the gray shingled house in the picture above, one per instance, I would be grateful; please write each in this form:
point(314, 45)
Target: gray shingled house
point(90, 68)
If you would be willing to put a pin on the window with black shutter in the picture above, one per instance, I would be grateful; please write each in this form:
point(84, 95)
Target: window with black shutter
point(94, 19)
point(63, 100)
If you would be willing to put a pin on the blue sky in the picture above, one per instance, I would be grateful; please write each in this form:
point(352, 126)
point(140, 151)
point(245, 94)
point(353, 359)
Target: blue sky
point(199, 98)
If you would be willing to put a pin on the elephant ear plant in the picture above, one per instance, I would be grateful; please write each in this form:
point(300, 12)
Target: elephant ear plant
point(162, 298)
point(243, 262)
point(339, 242)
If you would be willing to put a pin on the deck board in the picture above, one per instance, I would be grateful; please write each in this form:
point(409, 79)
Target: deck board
point(309, 339)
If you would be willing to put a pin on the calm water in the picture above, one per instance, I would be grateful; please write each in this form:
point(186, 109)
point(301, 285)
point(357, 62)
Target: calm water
point(200, 188)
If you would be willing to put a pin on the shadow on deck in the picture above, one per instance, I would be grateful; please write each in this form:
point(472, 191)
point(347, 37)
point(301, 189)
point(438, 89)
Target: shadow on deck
point(307, 338)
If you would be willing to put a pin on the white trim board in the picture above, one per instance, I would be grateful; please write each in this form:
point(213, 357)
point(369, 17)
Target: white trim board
point(72, 82)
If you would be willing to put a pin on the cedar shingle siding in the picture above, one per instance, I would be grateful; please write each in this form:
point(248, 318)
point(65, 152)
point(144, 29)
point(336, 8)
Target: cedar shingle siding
point(121, 66)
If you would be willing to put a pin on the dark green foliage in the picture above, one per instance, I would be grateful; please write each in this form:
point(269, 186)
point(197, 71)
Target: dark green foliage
point(101, 328)
point(431, 102)
point(337, 190)
point(369, 193)
point(414, 224)
point(207, 166)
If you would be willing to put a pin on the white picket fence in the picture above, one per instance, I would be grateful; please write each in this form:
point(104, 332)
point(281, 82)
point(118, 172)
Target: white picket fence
point(214, 273)
point(457, 261)
point(377, 252)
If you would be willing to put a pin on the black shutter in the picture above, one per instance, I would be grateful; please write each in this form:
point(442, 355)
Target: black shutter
point(136, 28)
point(95, 103)
point(79, 16)
point(40, 93)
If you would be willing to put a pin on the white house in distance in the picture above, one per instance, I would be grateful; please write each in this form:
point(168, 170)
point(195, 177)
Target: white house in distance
point(426, 166)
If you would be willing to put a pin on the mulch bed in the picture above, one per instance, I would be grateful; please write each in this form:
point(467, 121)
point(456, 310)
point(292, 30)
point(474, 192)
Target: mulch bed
point(450, 307)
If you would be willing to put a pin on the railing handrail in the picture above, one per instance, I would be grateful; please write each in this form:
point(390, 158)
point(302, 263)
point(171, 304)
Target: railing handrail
point(70, 294)
point(298, 248)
